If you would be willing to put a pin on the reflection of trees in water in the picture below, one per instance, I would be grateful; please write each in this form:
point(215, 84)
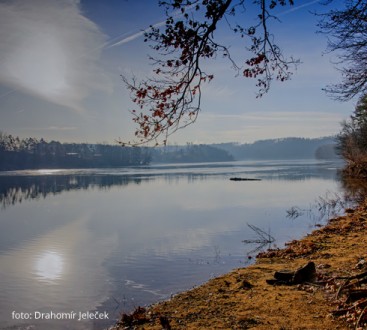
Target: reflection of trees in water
point(354, 192)
point(15, 189)
point(355, 188)
point(323, 208)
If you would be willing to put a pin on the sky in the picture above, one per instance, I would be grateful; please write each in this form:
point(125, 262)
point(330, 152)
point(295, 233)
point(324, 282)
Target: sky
point(61, 63)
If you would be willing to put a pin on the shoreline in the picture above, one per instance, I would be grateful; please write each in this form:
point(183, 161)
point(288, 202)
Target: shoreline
point(242, 299)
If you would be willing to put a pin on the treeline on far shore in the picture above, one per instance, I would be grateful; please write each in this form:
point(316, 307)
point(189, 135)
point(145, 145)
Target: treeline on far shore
point(31, 153)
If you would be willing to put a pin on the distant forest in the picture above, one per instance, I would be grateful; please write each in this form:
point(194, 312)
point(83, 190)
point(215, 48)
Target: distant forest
point(272, 149)
point(31, 153)
point(190, 153)
point(286, 148)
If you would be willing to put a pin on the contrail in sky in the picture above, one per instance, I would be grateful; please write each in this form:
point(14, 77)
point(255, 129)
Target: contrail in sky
point(140, 33)
point(134, 36)
point(298, 7)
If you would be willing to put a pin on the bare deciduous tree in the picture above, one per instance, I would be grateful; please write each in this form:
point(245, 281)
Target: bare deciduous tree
point(346, 29)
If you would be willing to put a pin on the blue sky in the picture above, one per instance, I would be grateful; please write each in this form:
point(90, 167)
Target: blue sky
point(61, 61)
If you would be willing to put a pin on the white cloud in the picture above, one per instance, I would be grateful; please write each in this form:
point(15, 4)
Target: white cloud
point(49, 49)
point(61, 128)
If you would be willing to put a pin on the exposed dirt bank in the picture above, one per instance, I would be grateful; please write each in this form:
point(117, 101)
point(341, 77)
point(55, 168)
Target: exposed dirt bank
point(243, 299)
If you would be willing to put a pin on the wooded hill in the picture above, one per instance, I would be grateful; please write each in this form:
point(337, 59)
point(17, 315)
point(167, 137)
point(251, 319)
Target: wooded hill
point(286, 148)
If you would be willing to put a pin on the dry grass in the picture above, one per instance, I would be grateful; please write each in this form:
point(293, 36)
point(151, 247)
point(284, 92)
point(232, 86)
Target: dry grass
point(243, 300)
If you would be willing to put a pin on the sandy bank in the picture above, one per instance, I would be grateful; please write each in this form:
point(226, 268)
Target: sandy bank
point(242, 299)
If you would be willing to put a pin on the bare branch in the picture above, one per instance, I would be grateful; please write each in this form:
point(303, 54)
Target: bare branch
point(347, 31)
point(171, 100)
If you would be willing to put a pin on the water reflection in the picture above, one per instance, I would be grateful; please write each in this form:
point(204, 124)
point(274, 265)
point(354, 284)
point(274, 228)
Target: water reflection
point(15, 189)
point(19, 186)
point(49, 266)
point(113, 240)
point(332, 204)
point(59, 271)
point(355, 188)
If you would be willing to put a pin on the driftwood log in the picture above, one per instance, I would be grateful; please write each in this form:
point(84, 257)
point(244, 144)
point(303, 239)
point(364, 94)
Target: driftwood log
point(306, 273)
point(244, 179)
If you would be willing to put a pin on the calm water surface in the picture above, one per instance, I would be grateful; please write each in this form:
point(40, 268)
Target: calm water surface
point(109, 240)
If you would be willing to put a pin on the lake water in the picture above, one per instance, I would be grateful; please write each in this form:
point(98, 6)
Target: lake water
point(109, 240)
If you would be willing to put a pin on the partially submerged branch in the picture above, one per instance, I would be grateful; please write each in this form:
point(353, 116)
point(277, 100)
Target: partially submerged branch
point(262, 236)
point(263, 239)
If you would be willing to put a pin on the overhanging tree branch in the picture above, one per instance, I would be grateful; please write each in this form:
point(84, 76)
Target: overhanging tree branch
point(171, 98)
